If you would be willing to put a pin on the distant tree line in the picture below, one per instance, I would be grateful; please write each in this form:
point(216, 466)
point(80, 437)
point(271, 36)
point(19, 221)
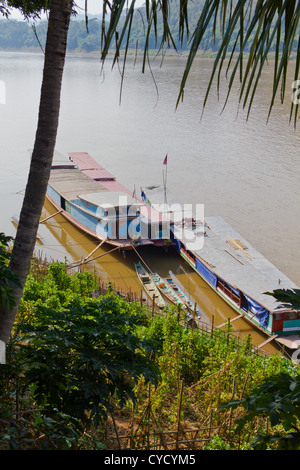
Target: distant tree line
point(23, 35)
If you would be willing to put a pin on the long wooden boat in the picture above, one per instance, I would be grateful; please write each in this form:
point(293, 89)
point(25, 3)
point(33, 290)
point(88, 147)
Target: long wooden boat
point(232, 267)
point(165, 289)
point(182, 296)
point(149, 285)
point(173, 293)
point(94, 202)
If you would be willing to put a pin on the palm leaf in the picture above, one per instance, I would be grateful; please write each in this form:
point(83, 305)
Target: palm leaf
point(254, 27)
point(288, 297)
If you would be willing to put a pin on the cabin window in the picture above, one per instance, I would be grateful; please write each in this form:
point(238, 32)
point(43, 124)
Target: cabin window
point(244, 303)
point(291, 316)
point(189, 255)
point(277, 316)
point(229, 292)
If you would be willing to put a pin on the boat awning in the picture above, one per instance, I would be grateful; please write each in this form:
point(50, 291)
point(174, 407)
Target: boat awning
point(91, 168)
point(109, 199)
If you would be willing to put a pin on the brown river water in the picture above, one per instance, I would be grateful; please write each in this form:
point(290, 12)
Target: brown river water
point(247, 171)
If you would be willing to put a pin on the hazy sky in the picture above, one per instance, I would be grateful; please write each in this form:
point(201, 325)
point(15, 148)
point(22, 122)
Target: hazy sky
point(94, 7)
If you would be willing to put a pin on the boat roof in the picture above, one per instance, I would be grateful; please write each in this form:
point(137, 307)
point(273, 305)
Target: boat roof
point(60, 161)
point(90, 167)
point(69, 182)
point(108, 199)
point(166, 202)
point(238, 263)
point(232, 258)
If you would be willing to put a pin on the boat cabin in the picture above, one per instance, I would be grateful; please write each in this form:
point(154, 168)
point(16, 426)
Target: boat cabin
point(118, 217)
point(100, 212)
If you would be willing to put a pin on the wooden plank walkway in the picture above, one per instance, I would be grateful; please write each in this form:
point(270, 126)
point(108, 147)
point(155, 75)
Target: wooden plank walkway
point(271, 338)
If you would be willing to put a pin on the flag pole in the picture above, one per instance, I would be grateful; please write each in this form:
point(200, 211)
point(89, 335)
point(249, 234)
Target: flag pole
point(133, 193)
point(165, 163)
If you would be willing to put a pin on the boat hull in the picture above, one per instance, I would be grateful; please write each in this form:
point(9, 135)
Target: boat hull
point(149, 286)
point(166, 292)
point(122, 244)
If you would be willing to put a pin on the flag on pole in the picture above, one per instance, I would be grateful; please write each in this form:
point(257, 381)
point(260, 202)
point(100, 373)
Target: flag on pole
point(165, 160)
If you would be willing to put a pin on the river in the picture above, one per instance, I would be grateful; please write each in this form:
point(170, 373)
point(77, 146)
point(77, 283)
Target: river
point(247, 171)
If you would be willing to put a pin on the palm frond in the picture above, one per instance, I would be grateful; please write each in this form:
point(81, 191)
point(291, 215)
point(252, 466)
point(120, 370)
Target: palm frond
point(251, 30)
point(271, 23)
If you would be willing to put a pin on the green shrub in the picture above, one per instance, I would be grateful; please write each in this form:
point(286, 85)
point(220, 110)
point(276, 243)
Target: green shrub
point(76, 358)
point(8, 280)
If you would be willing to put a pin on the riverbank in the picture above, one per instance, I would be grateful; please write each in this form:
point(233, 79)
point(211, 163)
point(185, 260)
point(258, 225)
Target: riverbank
point(196, 371)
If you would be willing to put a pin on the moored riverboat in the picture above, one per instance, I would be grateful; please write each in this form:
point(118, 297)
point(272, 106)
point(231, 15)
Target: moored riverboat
point(172, 292)
point(234, 269)
point(149, 285)
point(94, 202)
point(154, 225)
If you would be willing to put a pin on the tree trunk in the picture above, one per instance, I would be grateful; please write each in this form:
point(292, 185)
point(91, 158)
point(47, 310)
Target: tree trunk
point(55, 52)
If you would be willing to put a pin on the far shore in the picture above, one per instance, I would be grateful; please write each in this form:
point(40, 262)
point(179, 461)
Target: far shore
point(181, 54)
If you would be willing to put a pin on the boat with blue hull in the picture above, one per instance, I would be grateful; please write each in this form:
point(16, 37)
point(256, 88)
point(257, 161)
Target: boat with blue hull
point(97, 204)
point(182, 296)
point(232, 267)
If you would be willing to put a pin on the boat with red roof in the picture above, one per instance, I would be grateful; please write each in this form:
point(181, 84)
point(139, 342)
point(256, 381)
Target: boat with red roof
point(91, 198)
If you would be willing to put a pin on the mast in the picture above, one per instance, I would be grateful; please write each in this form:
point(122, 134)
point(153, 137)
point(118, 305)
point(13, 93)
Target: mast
point(165, 174)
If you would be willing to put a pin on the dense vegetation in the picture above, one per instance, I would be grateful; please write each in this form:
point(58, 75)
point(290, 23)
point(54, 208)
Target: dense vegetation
point(86, 370)
point(23, 35)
